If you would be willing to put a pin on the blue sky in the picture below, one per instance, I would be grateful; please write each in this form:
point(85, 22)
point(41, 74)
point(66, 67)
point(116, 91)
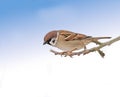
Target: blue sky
point(28, 68)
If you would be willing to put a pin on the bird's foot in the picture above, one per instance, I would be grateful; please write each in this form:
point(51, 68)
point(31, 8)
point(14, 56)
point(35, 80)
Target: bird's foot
point(66, 53)
point(85, 51)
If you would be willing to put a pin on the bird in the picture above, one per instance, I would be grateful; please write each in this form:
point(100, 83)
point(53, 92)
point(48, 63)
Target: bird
point(69, 41)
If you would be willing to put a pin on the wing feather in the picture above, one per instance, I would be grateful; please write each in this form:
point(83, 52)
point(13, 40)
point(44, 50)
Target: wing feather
point(72, 36)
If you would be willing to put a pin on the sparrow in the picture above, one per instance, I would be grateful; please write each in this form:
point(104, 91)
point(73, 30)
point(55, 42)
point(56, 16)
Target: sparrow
point(69, 41)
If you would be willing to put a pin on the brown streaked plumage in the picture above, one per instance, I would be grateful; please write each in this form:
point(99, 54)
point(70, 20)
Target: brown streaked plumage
point(69, 41)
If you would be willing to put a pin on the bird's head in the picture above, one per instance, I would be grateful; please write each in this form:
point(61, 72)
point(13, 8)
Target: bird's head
point(50, 38)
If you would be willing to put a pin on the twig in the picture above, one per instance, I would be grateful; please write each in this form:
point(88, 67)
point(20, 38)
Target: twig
point(84, 52)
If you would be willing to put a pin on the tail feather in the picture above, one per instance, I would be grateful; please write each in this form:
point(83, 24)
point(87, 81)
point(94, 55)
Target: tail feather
point(101, 37)
point(95, 39)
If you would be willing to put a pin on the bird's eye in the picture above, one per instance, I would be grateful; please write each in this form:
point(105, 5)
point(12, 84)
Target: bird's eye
point(52, 42)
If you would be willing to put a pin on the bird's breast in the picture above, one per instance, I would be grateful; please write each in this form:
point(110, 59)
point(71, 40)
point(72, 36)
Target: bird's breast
point(69, 45)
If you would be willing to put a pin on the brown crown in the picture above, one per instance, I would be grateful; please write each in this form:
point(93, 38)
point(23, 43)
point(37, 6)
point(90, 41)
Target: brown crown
point(50, 35)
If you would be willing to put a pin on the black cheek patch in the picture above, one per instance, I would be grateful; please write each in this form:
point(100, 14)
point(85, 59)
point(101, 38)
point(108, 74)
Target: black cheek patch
point(48, 42)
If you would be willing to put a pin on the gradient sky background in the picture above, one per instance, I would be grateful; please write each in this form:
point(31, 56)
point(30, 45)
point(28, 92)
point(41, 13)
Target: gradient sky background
point(28, 69)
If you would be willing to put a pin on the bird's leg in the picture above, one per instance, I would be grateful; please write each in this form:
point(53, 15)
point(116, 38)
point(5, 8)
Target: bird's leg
point(85, 50)
point(59, 53)
point(65, 53)
point(69, 53)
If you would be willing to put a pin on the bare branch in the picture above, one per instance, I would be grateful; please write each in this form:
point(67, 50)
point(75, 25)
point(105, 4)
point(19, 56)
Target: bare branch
point(84, 52)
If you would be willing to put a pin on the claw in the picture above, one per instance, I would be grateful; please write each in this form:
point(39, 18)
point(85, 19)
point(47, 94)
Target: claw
point(85, 52)
point(66, 53)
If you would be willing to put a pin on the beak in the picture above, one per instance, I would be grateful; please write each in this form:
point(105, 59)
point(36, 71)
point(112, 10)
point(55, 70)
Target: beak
point(44, 43)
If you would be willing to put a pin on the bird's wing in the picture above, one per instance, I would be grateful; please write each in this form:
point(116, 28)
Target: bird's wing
point(72, 36)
